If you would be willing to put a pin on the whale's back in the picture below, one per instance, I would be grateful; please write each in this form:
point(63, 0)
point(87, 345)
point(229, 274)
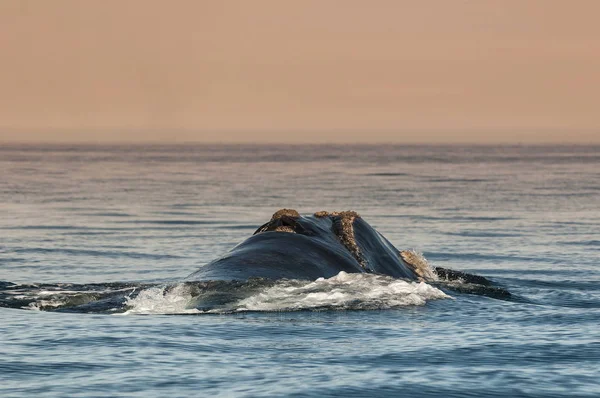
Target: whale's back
point(295, 247)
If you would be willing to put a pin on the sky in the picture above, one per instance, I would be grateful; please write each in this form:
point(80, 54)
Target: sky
point(347, 71)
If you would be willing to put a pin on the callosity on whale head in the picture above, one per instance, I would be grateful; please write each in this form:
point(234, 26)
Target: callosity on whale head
point(309, 247)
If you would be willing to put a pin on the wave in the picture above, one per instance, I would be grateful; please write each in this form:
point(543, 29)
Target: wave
point(342, 292)
point(95, 253)
point(66, 297)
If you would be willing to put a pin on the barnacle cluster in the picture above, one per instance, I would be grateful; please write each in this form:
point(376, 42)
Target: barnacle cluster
point(419, 265)
point(343, 228)
point(285, 212)
point(285, 228)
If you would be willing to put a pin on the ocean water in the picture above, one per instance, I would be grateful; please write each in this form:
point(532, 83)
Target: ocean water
point(95, 242)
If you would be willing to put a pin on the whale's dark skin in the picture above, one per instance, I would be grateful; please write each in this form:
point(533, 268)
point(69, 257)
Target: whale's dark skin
point(309, 247)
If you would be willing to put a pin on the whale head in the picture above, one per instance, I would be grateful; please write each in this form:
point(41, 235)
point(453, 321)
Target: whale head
point(295, 246)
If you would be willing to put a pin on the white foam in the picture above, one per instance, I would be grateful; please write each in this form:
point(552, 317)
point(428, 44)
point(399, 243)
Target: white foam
point(343, 291)
point(44, 304)
point(160, 300)
point(54, 299)
point(56, 292)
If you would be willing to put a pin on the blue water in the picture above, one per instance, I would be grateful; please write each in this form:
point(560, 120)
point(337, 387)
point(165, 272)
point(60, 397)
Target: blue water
point(81, 221)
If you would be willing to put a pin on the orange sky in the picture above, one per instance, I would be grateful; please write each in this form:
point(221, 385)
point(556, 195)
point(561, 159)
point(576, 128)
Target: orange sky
point(300, 71)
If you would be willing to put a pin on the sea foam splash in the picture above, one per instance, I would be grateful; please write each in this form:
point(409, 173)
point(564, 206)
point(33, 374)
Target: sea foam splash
point(341, 292)
point(163, 300)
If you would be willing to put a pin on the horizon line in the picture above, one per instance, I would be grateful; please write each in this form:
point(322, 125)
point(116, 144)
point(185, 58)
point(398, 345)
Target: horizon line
point(294, 143)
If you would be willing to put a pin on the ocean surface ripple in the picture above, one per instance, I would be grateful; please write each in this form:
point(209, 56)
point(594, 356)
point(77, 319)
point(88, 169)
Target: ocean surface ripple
point(96, 242)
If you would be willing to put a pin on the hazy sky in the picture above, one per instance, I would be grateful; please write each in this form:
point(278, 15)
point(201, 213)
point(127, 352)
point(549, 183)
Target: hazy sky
point(300, 71)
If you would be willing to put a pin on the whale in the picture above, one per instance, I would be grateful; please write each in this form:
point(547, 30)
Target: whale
point(288, 249)
point(321, 245)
